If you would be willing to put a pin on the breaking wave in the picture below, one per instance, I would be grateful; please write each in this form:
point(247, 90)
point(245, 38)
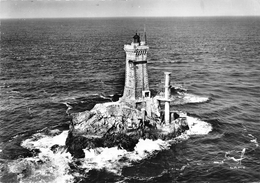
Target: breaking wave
point(52, 163)
point(47, 165)
point(233, 159)
point(197, 127)
point(114, 159)
point(191, 98)
point(180, 96)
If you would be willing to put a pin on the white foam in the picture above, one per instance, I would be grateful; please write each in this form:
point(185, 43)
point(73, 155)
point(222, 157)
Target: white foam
point(218, 162)
point(147, 146)
point(42, 141)
point(197, 127)
point(69, 107)
point(232, 155)
point(114, 159)
point(107, 158)
point(254, 140)
point(54, 166)
point(48, 167)
point(184, 98)
point(179, 87)
point(104, 97)
point(191, 98)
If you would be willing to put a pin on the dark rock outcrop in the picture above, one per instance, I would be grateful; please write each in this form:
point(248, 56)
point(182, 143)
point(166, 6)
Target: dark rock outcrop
point(118, 124)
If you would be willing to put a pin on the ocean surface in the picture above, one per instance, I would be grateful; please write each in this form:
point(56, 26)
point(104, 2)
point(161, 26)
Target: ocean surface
point(53, 67)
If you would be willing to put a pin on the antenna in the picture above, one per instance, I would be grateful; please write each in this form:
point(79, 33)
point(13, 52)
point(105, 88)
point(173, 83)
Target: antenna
point(145, 40)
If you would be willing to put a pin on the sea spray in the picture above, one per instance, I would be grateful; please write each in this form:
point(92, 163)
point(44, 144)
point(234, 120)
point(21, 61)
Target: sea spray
point(114, 159)
point(53, 162)
point(52, 166)
point(186, 98)
point(197, 127)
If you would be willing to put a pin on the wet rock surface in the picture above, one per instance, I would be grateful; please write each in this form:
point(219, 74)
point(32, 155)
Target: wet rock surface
point(118, 124)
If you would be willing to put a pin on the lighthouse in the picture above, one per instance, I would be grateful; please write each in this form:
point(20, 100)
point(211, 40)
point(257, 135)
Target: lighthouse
point(136, 75)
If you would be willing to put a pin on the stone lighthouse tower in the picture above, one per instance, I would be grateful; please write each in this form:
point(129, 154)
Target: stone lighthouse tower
point(136, 76)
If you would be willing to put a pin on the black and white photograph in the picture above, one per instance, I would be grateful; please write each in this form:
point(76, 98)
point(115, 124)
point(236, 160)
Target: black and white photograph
point(129, 91)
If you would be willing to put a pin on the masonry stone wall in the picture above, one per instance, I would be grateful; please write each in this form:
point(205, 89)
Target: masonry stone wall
point(136, 77)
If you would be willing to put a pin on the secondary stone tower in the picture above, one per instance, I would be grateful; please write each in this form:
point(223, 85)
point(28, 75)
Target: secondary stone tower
point(136, 76)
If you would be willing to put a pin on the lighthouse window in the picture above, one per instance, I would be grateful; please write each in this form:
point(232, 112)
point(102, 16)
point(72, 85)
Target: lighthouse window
point(146, 93)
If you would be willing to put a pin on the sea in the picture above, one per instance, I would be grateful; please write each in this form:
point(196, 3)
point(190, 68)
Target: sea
point(51, 68)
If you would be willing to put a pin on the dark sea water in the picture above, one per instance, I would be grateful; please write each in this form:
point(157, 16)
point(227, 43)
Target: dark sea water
point(48, 65)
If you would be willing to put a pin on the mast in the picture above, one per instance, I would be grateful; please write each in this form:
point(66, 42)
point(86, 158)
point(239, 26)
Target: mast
point(145, 40)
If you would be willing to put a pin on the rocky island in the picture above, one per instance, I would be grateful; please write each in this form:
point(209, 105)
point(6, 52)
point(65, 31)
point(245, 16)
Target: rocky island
point(136, 115)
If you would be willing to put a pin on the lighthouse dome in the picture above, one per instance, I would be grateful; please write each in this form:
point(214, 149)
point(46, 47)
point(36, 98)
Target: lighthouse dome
point(136, 38)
